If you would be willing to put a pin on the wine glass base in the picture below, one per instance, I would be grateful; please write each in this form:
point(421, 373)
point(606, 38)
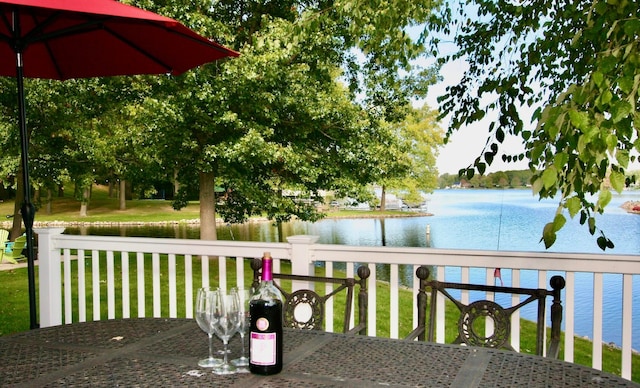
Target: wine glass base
point(209, 362)
point(224, 369)
point(241, 361)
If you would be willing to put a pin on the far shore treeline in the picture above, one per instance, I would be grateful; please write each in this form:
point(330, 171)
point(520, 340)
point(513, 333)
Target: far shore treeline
point(512, 178)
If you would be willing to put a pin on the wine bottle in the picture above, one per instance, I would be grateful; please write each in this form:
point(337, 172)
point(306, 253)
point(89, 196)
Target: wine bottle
point(265, 332)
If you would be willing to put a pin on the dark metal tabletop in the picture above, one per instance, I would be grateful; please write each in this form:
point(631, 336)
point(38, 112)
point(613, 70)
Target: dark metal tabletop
point(165, 352)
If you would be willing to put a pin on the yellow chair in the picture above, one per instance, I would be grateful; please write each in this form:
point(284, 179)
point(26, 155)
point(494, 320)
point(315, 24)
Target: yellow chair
point(14, 253)
point(4, 236)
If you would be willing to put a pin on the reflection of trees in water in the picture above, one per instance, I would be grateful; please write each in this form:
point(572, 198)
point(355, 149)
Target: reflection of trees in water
point(331, 231)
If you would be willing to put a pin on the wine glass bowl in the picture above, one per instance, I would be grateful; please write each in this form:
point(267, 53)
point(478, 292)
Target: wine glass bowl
point(205, 299)
point(226, 320)
point(244, 296)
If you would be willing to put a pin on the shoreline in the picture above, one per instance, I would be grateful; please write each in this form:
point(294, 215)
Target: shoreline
point(196, 221)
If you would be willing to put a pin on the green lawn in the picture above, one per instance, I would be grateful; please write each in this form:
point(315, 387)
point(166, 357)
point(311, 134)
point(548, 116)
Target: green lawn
point(14, 316)
point(103, 208)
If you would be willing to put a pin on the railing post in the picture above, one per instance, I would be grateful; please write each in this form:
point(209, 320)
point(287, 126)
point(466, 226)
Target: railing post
point(302, 258)
point(50, 277)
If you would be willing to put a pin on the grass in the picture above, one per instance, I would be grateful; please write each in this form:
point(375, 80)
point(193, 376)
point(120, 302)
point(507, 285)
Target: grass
point(103, 208)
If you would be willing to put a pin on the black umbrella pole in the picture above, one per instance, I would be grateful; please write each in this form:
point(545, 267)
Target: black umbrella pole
point(27, 209)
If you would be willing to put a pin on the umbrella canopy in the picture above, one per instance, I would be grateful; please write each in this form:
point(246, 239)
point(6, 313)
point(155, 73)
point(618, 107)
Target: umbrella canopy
point(66, 39)
point(97, 38)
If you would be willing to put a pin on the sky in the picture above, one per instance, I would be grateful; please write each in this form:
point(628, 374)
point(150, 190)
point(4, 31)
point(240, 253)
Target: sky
point(467, 144)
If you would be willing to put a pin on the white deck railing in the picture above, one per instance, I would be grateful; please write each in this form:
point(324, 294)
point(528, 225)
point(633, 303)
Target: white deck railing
point(61, 288)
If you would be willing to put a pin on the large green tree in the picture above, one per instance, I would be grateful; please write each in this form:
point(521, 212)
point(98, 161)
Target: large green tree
point(284, 116)
point(576, 66)
point(420, 136)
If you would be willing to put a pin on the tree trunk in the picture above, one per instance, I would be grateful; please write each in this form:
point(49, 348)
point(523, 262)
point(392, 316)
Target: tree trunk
point(176, 184)
point(49, 205)
point(207, 206)
point(122, 196)
point(383, 199)
point(85, 202)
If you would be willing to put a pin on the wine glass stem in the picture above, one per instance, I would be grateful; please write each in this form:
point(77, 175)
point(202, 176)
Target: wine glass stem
point(242, 340)
point(210, 346)
point(225, 352)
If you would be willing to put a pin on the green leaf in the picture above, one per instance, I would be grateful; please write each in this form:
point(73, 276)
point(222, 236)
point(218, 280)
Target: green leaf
point(632, 28)
point(470, 173)
point(592, 225)
point(597, 78)
point(604, 198)
point(617, 181)
point(573, 205)
point(560, 159)
point(620, 110)
point(488, 157)
point(583, 217)
point(622, 157)
point(579, 120)
point(549, 177)
point(548, 235)
point(605, 97)
point(537, 185)
point(558, 222)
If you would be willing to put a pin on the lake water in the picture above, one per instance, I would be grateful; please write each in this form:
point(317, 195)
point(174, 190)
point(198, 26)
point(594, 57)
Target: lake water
point(505, 220)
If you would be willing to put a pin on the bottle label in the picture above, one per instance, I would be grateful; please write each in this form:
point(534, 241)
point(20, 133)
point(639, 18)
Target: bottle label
point(263, 348)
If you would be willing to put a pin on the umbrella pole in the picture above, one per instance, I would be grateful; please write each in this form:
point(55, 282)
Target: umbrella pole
point(27, 209)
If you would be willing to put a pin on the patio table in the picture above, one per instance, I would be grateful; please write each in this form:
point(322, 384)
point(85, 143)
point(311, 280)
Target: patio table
point(164, 352)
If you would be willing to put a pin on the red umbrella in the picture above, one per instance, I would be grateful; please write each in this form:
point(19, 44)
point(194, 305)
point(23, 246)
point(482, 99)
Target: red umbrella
point(88, 38)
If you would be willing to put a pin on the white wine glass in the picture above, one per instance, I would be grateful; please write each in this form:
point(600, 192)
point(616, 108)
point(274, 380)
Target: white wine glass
point(244, 296)
point(205, 298)
point(225, 325)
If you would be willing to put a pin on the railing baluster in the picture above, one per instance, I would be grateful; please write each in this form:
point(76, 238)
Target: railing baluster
point(627, 319)
point(490, 279)
point(543, 283)
point(328, 272)
point(82, 288)
point(126, 304)
point(173, 295)
point(240, 273)
point(95, 278)
point(415, 287)
point(569, 315)
point(68, 303)
point(515, 318)
point(440, 324)
point(222, 273)
point(394, 306)
point(372, 308)
point(141, 286)
point(155, 271)
point(204, 264)
point(111, 287)
point(188, 284)
point(597, 321)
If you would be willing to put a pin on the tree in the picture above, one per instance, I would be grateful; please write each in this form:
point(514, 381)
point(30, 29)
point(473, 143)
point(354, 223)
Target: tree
point(415, 171)
point(576, 65)
point(279, 117)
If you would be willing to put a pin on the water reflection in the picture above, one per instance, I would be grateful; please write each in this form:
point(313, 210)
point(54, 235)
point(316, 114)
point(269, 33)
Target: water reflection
point(334, 231)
